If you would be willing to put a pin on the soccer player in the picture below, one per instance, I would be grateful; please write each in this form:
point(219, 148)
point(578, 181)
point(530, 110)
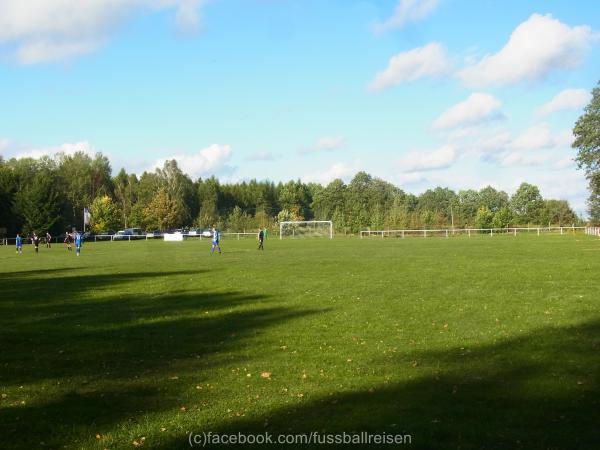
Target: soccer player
point(48, 239)
point(19, 243)
point(35, 240)
point(261, 238)
point(78, 242)
point(215, 240)
point(68, 240)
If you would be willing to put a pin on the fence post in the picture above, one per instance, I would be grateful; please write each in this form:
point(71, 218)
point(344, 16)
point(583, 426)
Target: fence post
point(538, 231)
point(402, 234)
point(491, 232)
point(446, 233)
point(425, 233)
point(469, 230)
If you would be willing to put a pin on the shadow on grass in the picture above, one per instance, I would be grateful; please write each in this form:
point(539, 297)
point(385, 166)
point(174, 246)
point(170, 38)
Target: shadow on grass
point(538, 391)
point(103, 362)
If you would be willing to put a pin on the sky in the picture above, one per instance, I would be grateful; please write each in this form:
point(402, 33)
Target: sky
point(421, 93)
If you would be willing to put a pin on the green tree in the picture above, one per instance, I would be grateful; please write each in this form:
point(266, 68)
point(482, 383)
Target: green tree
point(7, 192)
point(239, 221)
point(125, 187)
point(359, 202)
point(138, 218)
point(527, 203)
point(594, 199)
point(438, 201)
point(164, 211)
point(38, 205)
point(502, 218)
point(105, 215)
point(285, 215)
point(208, 192)
point(295, 196)
point(427, 219)
point(326, 201)
point(467, 204)
point(180, 188)
point(587, 143)
point(484, 217)
point(587, 135)
point(492, 198)
point(557, 212)
point(76, 179)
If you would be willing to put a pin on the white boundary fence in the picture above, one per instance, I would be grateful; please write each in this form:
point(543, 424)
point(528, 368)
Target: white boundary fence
point(444, 232)
point(592, 231)
point(447, 232)
point(144, 237)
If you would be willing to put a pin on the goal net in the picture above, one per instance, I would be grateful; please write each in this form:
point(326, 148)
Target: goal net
point(306, 228)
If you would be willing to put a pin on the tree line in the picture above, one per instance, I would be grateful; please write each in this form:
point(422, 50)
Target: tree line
point(51, 193)
point(587, 143)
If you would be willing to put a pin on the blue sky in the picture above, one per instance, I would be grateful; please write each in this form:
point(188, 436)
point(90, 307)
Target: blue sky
point(421, 93)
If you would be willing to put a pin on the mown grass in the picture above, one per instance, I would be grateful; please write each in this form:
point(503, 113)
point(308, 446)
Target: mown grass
point(461, 343)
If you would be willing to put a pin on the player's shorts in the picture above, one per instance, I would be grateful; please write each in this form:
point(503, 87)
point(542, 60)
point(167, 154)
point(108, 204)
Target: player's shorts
point(215, 242)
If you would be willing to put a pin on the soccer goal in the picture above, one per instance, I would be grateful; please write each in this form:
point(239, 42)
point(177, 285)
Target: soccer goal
point(306, 228)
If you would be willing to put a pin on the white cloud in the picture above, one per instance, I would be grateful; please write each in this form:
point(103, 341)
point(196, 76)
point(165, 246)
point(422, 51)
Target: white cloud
point(4, 144)
point(338, 170)
point(44, 31)
point(428, 61)
point(536, 47)
point(510, 159)
point(326, 144)
point(537, 145)
point(187, 15)
point(567, 99)
point(211, 160)
point(479, 107)
point(260, 156)
point(536, 137)
point(540, 136)
point(418, 161)
point(66, 148)
point(407, 11)
point(409, 178)
point(44, 51)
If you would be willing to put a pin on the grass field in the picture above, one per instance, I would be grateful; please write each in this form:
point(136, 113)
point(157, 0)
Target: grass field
point(461, 343)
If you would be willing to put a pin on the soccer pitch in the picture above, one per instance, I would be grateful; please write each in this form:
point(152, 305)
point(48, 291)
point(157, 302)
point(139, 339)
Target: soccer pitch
point(484, 342)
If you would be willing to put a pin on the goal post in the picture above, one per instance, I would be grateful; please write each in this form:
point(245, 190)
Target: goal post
point(306, 228)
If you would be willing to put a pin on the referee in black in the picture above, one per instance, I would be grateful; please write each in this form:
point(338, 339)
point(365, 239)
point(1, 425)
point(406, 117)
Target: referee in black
point(261, 239)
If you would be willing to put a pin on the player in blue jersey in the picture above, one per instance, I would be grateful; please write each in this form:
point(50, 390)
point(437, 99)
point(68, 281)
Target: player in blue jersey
point(78, 242)
point(19, 243)
point(216, 237)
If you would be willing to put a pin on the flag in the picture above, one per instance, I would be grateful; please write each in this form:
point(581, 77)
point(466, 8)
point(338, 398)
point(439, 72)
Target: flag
point(86, 216)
